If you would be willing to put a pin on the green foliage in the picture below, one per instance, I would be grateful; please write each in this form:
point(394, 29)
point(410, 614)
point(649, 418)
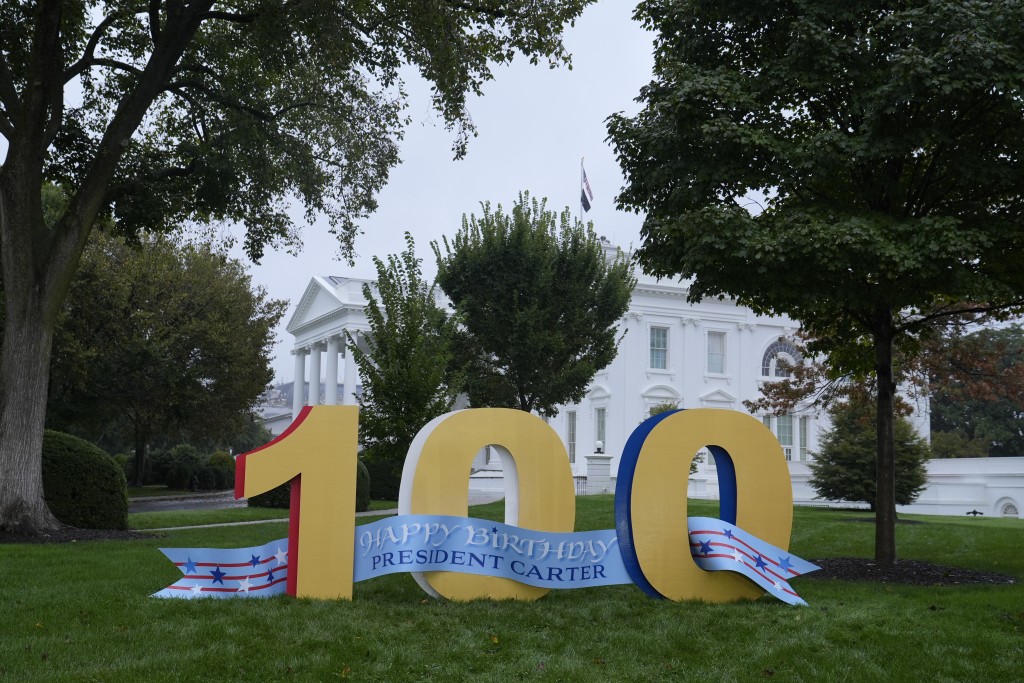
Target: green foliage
point(196, 113)
point(659, 408)
point(883, 142)
point(538, 301)
point(404, 365)
point(384, 463)
point(977, 393)
point(956, 445)
point(362, 487)
point(160, 339)
point(280, 497)
point(84, 486)
point(844, 469)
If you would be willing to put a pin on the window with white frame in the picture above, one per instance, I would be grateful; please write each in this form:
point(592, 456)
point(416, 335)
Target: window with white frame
point(570, 434)
point(659, 348)
point(784, 432)
point(804, 428)
point(779, 359)
point(600, 431)
point(716, 353)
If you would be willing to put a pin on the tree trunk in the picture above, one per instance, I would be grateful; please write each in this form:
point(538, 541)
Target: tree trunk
point(24, 374)
point(885, 472)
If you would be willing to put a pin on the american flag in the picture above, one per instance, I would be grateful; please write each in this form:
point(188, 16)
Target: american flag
point(719, 546)
point(229, 573)
point(586, 196)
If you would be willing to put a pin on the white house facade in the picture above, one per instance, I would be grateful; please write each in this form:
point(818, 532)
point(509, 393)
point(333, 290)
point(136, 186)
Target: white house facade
point(711, 354)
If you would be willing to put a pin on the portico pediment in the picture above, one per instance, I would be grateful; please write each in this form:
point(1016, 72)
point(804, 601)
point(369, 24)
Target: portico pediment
point(318, 301)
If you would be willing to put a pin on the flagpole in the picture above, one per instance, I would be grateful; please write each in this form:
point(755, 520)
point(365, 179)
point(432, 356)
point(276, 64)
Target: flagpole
point(581, 191)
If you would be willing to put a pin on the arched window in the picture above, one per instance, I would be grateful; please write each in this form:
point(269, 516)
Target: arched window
point(1010, 510)
point(782, 349)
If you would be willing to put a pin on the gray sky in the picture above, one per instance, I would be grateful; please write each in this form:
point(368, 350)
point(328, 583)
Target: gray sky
point(533, 126)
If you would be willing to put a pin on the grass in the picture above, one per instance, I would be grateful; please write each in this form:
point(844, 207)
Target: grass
point(80, 612)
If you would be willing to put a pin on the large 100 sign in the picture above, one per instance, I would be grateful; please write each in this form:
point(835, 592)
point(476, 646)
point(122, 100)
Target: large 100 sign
point(739, 555)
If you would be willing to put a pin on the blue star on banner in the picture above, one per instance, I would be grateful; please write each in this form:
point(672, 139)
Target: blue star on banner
point(228, 573)
point(769, 567)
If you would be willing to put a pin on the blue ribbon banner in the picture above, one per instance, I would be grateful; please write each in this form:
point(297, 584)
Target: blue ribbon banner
point(424, 543)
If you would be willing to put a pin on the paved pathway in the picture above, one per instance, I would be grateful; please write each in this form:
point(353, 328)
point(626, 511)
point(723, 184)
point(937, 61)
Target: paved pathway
point(226, 499)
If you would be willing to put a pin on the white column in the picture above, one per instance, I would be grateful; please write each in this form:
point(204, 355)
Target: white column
point(299, 386)
point(349, 398)
point(331, 390)
point(314, 374)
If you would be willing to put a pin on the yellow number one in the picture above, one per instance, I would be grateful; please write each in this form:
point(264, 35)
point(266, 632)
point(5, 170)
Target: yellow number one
point(317, 454)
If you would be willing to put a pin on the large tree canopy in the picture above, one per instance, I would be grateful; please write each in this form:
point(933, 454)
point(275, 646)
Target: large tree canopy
point(176, 110)
point(977, 393)
point(538, 301)
point(160, 340)
point(887, 139)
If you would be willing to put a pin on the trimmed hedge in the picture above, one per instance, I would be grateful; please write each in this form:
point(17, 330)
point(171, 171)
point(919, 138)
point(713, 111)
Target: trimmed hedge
point(281, 496)
point(83, 486)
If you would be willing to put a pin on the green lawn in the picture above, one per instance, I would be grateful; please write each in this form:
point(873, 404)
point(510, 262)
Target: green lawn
point(80, 612)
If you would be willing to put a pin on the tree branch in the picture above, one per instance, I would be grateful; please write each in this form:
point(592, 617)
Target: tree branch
point(8, 93)
point(86, 59)
point(154, 20)
point(232, 17)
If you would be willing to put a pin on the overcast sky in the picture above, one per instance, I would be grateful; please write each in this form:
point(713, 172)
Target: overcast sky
point(534, 125)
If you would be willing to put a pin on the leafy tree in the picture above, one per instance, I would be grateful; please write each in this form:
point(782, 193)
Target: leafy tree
point(160, 340)
point(977, 392)
point(538, 301)
point(884, 138)
point(172, 111)
point(405, 367)
point(845, 467)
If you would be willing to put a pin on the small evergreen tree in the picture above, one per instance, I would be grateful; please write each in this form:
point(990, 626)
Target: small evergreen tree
point(845, 468)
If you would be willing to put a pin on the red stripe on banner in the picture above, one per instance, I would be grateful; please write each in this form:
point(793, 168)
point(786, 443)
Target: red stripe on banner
point(268, 585)
point(221, 564)
point(295, 506)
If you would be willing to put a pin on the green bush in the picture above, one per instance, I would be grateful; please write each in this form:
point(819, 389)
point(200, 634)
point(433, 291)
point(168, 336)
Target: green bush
point(223, 467)
point(83, 486)
point(385, 465)
point(280, 496)
point(204, 479)
point(362, 487)
point(277, 497)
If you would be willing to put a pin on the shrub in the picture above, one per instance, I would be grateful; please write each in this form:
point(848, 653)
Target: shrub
point(280, 496)
point(223, 467)
point(83, 486)
point(385, 464)
point(362, 487)
point(204, 479)
point(183, 464)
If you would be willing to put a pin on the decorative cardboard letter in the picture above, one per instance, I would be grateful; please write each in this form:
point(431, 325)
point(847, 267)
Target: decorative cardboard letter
point(539, 491)
point(650, 504)
point(318, 455)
